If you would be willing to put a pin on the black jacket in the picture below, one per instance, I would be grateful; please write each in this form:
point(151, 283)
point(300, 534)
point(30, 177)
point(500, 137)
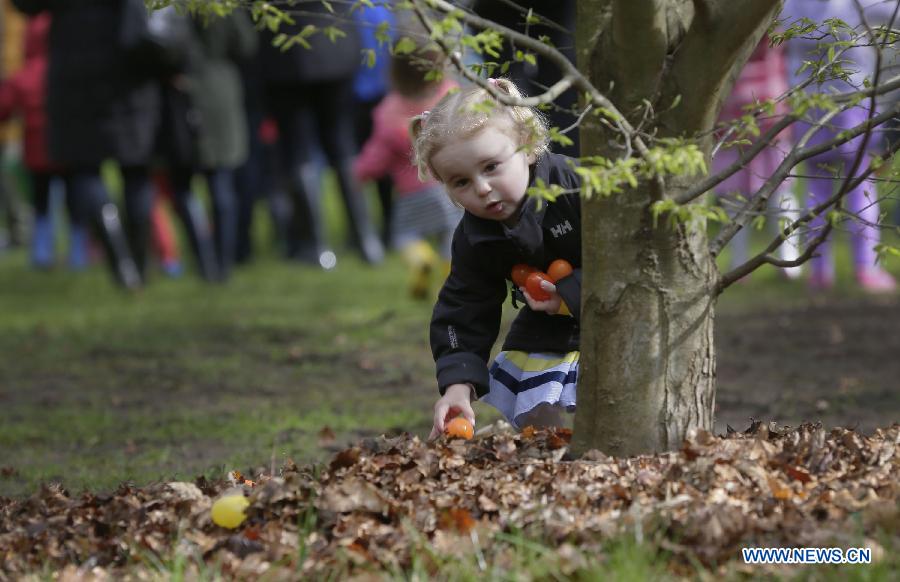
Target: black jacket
point(466, 318)
point(100, 103)
point(324, 61)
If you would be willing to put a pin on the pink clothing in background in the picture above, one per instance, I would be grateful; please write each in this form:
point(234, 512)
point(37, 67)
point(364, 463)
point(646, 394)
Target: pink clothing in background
point(389, 150)
point(763, 77)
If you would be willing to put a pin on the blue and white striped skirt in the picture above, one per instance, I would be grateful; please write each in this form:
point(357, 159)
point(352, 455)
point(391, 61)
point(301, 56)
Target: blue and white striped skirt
point(520, 381)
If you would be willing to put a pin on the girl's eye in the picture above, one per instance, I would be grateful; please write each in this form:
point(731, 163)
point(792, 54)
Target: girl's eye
point(460, 183)
point(491, 166)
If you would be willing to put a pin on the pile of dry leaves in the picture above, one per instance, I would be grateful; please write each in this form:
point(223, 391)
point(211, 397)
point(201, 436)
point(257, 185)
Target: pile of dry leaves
point(378, 502)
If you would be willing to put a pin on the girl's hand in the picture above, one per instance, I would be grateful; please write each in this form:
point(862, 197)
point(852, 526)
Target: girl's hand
point(455, 401)
point(551, 306)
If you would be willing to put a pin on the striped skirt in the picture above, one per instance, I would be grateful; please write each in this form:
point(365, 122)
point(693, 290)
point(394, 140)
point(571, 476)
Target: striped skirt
point(425, 213)
point(521, 381)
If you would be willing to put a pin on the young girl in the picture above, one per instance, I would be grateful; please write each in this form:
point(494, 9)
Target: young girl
point(421, 209)
point(487, 155)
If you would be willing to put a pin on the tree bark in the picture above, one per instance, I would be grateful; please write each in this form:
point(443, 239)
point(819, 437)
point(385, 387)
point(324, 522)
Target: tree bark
point(647, 372)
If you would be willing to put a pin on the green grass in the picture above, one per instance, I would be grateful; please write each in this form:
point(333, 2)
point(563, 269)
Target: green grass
point(99, 387)
point(184, 378)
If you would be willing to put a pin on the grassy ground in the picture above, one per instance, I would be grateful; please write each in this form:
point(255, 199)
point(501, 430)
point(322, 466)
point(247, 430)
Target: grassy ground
point(185, 378)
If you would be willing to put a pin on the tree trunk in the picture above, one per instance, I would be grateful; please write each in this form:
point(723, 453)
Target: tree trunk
point(648, 362)
point(648, 357)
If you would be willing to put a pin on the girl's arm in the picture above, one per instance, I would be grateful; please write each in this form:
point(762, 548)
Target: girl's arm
point(466, 319)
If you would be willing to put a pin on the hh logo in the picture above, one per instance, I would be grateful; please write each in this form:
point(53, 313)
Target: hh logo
point(561, 229)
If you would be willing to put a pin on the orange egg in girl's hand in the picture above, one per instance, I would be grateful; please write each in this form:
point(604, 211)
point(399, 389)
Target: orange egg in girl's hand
point(460, 427)
point(520, 273)
point(559, 269)
point(533, 286)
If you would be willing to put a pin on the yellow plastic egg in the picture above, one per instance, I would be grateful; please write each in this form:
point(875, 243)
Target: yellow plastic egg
point(228, 511)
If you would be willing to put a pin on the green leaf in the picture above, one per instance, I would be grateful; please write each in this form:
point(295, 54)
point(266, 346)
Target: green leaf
point(404, 46)
point(369, 57)
point(560, 138)
point(383, 33)
point(333, 33)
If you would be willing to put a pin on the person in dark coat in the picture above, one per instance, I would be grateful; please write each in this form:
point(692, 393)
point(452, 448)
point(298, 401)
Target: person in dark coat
point(103, 104)
point(208, 96)
point(310, 95)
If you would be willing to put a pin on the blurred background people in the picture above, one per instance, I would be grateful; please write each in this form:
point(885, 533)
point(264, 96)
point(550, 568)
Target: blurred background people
point(24, 93)
point(310, 96)
point(204, 132)
point(13, 215)
point(825, 171)
point(103, 103)
point(764, 77)
point(421, 210)
point(370, 85)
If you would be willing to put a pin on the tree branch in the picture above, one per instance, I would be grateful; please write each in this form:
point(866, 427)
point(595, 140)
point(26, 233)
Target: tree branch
point(765, 256)
point(571, 75)
point(544, 21)
point(760, 198)
point(704, 11)
point(733, 27)
point(713, 180)
point(644, 19)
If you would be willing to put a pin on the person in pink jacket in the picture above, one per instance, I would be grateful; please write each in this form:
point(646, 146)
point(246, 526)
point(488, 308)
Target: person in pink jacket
point(24, 93)
point(421, 210)
point(764, 77)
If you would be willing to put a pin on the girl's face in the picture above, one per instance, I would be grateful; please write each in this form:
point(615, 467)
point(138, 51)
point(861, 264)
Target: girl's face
point(485, 172)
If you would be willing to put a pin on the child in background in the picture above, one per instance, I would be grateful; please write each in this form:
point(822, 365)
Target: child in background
point(487, 157)
point(763, 77)
point(421, 208)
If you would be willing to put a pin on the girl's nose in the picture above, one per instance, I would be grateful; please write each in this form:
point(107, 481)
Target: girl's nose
point(483, 186)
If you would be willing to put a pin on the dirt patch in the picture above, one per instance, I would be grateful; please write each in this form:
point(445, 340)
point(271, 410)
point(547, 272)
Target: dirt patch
point(833, 360)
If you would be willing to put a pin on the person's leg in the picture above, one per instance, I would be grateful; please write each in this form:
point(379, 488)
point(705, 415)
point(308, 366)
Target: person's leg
point(865, 235)
point(224, 205)
point(305, 236)
point(94, 206)
point(247, 185)
point(783, 206)
point(384, 186)
point(330, 103)
point(163, 236)
point(138, 196)
point(42, 233)
point(196, 223)
point(820, 187)
point(79, 238)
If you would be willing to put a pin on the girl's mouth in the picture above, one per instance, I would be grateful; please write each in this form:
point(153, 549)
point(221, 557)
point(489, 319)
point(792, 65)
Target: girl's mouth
point(495, 206)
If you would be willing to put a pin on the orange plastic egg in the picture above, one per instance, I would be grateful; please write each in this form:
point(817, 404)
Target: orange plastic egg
point(460, 427)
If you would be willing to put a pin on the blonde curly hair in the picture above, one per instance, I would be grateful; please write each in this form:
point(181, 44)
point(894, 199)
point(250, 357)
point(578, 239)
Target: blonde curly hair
point(468, 111)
